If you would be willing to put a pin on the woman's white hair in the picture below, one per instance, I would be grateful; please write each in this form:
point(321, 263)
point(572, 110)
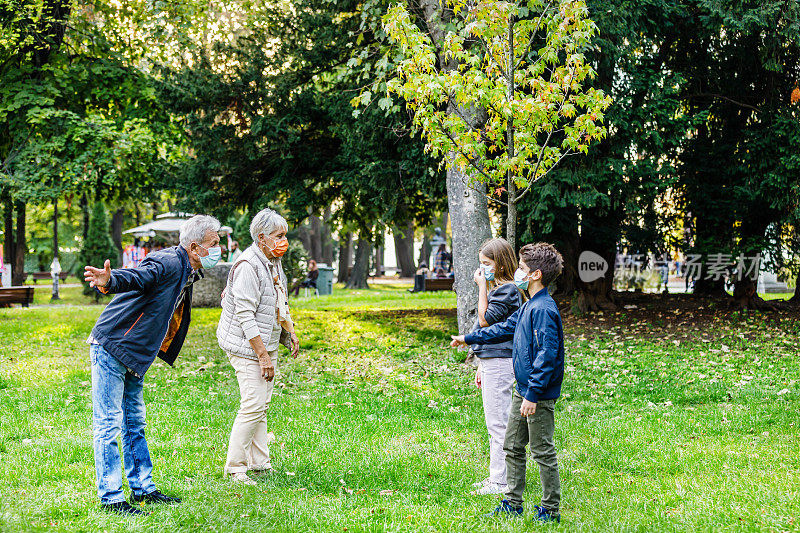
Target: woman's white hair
point(266, 221)
point(195, 229)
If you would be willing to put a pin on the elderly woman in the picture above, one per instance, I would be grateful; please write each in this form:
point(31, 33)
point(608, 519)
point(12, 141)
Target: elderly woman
point(255, 319)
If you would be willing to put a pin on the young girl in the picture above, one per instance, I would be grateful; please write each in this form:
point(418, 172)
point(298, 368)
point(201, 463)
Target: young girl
point(498, 298)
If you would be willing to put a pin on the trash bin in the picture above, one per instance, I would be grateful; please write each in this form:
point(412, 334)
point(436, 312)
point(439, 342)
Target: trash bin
point(324, 279)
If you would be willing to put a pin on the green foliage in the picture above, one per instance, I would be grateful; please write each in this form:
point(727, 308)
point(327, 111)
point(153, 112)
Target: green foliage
point(503, 93)
point(702, 144)
point(279, 128)
point(295, 261)
point(77, 112)
point(98, 245)
point(241, 231)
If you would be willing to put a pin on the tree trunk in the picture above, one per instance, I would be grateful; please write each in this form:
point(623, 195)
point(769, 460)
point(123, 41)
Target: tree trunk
point(566, 239)
point(316, 238)
point(425, 251)
point(599, 234)
point(379, 261)
point(56, 253)
point(18, 274)
point(443, 220)
point(745, 296)
point(327, 240)
point(713, 288)
point(470, 226)
point(511, 218)
point(84, 205)
point(404, 249)
point(117, 220)
point(345, 256)
point(358, 277)
point(795, 300)
point(8, 230)
point(304, 235)
point(511, 186)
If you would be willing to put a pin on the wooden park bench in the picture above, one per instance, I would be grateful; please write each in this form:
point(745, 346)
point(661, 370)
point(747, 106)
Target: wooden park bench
point(16, 295)
point(439, 284)
point(46, 275)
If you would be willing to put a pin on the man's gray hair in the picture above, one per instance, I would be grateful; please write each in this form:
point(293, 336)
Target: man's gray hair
point(195, 229)
point(266, 221)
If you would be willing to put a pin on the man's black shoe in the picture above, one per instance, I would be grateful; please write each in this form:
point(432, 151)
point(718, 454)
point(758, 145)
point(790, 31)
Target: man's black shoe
point(123, 508)
point(155, 497)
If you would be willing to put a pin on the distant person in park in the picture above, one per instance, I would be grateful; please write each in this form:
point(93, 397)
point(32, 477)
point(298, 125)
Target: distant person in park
point(442, 260)
point(498, 298)
point(235, 252)
point(440, 273)
point(148, 318)
point(255, 320)
point(311, 278)
point(419, 277)
point(538, 358)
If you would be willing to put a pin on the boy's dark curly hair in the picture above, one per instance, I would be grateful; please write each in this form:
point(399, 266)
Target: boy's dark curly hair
point(543, 256)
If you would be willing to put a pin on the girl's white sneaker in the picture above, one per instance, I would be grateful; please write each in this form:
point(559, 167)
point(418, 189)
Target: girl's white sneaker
point(480, 484)
point(491, 488)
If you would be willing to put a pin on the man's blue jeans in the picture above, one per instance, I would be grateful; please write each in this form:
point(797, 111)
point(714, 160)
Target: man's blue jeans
point(118, 407)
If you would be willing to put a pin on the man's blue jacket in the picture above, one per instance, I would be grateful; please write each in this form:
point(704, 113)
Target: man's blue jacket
point(145, 319)
point(538, 351)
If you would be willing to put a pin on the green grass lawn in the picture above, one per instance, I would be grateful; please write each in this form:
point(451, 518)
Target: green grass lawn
point(663, 425)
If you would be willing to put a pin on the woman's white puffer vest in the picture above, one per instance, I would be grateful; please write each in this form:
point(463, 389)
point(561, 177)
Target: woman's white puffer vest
point(230, 334)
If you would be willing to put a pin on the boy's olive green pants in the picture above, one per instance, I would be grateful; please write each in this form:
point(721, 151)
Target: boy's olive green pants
point(537, 430)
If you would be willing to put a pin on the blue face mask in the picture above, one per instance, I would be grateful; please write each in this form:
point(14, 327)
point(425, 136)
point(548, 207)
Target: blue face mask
point(213, 257)
point(519, 279)
point(488, 272)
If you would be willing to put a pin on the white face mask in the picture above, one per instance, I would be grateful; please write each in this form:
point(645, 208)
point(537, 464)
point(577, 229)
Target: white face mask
point(519, 279)
point(488, 272)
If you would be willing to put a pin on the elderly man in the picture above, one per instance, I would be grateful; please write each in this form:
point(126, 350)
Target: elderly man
point(149, 317)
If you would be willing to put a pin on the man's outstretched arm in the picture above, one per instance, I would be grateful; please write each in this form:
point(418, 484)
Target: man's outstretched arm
point(109, 281)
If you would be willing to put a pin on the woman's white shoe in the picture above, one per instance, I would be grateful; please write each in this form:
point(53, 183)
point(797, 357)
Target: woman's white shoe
point(266, 467)
point(241, 477)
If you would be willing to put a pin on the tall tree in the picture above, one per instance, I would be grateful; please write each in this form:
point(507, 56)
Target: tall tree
point(520, 68)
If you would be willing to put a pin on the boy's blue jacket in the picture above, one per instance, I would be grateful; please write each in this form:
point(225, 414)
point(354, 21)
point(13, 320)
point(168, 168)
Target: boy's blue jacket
point(538, 352)
point(145, 318)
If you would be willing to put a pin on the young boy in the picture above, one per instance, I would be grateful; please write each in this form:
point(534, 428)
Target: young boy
point(538, 356)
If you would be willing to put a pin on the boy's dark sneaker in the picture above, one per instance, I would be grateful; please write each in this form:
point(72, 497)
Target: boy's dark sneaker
point(155, 497)
point(505, 509)
point(123, 508)
point(543, 515)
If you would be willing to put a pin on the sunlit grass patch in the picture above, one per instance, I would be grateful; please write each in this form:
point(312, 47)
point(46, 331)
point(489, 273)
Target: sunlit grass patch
point(379, 428)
